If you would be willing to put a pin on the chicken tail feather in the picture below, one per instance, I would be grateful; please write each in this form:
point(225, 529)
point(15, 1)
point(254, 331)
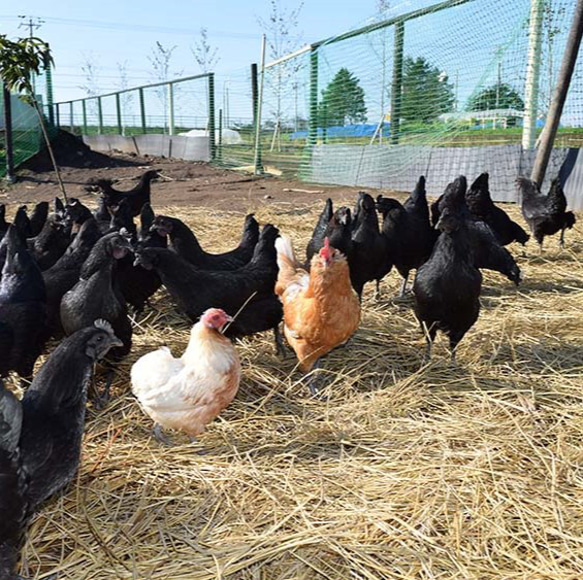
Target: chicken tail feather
point(287, 263)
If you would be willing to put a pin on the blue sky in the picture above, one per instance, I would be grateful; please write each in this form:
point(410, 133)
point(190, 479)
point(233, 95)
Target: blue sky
point(472, 44)
point(125, 31)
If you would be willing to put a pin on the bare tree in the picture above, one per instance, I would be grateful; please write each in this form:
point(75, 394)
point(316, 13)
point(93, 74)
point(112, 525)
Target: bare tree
point(204, 54)
point(126, 98)
point(283, 37)
point(160, 59)
point(91, 86)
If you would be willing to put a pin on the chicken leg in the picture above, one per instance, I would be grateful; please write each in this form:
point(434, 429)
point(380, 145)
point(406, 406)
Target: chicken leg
point(314, 380)
point(160, 436)
point(280, 349)
point(404, 286)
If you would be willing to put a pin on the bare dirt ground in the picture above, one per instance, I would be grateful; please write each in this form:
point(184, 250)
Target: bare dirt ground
point(185, 183)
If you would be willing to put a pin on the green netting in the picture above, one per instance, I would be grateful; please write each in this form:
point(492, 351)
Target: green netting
point(438, 89)
point(27, 137)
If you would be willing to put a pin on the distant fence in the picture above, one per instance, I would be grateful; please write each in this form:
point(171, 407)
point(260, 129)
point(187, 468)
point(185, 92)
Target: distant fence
point(457, 85)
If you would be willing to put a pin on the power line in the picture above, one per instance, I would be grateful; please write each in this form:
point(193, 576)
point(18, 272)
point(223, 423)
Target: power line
point(125, 27)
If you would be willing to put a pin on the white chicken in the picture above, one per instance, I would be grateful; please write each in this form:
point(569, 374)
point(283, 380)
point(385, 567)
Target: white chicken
point(187, 393)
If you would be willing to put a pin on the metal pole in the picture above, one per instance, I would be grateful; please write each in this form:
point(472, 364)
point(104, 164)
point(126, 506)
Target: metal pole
point(532, 74)
point(211, 97)
point(118, 114)
point(8, 134)
point(313, 106)
point(257, 161)
point(397, 82)
point(549, 131)
point(58, 116)
point(49, 89)
point(220, 150)
point(100, 116)
point(71, 118)
point(142, 109)
point(255, 102)
point(84, 108)
point(170, 109)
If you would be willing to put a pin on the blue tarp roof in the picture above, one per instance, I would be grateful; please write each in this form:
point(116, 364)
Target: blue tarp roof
point(361, 130)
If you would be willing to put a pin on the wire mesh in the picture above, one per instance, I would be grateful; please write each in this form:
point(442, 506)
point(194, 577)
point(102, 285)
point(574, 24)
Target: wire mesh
point(431, 91)
point(27, 138)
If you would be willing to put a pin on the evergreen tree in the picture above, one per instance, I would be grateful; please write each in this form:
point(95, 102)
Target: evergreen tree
point(342, 101)
point(426, 92)
point(498, 96)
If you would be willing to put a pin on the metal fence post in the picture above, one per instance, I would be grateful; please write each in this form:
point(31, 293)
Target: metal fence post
point(84, 108)
point(49, 89)
point(313, 121)
point(211, 108)
point(58, 119)
point(8, 134)
point(71, 117)
point(170, 109)
point(255, 99)
point(118, 113)
point(220, 149)
point(532, 74)
point(397, 84)
point(142, 109)
point(100, 116)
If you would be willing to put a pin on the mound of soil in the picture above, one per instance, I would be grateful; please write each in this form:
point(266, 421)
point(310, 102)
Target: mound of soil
point(70, 151)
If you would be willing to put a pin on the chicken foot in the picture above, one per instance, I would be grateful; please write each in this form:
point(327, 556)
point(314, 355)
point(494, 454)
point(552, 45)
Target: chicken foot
point(404, 286)
point(313, 379)
point(280, 349)
point(160, 436)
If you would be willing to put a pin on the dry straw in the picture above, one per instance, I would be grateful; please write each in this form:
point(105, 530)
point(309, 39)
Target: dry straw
point(404, 471)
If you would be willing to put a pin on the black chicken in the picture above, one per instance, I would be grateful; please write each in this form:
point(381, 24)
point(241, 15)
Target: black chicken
point(61, 277)
point(409, 235)
point(50, 244)
point(4, 225)
point(317, 240)
point(122, 219)
point(97, 295)
point(13, 485)
point(54, 410)
point(447, 286)
point(487, 252)
point(76, 214)
point(544, 214)
point(251, 286)
point(22, 310)
point(482, 208)
point(185, 244)
point(137, 196)
point(136, 283)
point(38, 217)
point(22, 223)
point(371, 260)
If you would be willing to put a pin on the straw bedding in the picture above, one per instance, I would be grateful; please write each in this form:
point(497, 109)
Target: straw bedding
point(403, 471)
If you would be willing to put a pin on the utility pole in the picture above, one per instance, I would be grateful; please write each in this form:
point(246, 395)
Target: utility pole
point(32, 24)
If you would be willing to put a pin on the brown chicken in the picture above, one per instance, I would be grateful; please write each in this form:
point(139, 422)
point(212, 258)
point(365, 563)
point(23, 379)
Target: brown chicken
point(320, 308)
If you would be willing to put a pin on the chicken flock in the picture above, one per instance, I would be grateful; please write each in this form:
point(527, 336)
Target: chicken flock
point(72, 275)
